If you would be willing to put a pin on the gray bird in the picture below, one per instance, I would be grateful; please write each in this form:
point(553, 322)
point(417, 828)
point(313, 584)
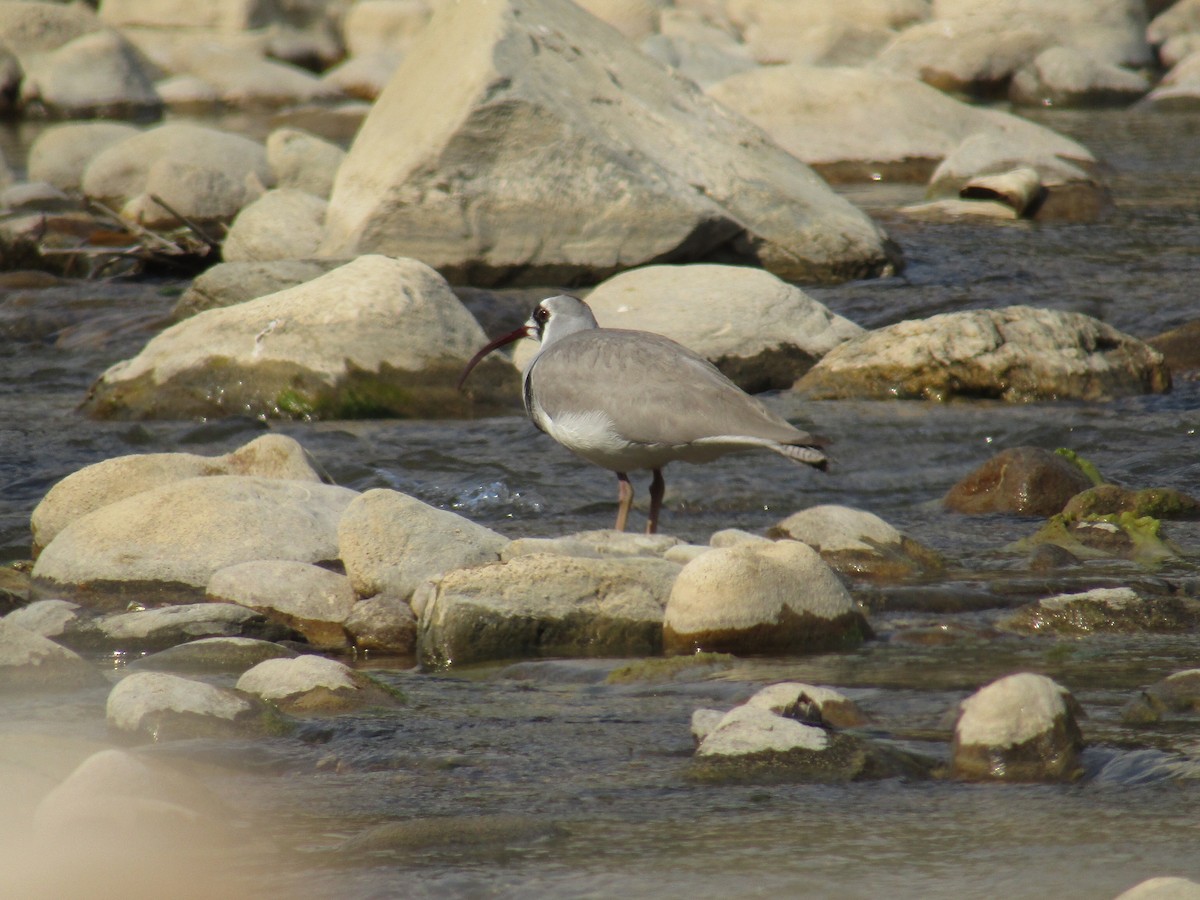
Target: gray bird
point(630, 400)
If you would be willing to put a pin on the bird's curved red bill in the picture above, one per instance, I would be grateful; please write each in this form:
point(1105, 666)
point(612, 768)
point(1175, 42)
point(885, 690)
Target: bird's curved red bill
point(499, 342)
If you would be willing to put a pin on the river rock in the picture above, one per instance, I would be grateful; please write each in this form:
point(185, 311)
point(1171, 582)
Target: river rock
point(105, 482)
point(1178, 18)
point(96, 75)
point(383, 624)
point(1025, 481)
point(1180, 346)
point(1180, 87)
point(303, 161)
point(649, 157)
point(1106, 610)
point(157, 706)
point(763, 333)
point(213, 655)
point(761, 598)
point(1019, 728)
point(248, 81)
point(119, 174)
point(309, 599)
point(901, 131)
point(149, 630)
point(1178, 693)
point(313, 685)
point(230, 283)
point(1119, 536)
point(281, 224)
point(391, 542)
point(597, 544)
point(1068, 76)
point(374, 26)
point(376, 336)
point(163, 545)
point(1017, 354)
point(543, 606)
point(859, 544)
point(30, 662)
point(1164, 887)
point(1112, 499)
point(700, 51)
point(785, 31)
point(811, 704)
point(363, 77)
point(49, 618)
point(60, 153)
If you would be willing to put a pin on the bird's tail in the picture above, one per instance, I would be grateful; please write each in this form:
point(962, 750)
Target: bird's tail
point(803, 453)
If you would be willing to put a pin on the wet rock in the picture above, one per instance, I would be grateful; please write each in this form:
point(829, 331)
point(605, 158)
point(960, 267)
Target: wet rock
point(119, 174)
point(155, 629)
point(281, 224)
point(1114, 500)
point(313, 601)
point(810, 704)
point(390, 542)
point(1180, 347)
point(859, 544)
point(544, 606)
point(1020, 728)
point(1178, 693)
point(1103, 610)
point(1164, 887)
point(1048, 557)
point(303, 162)
point(752, 598)
point(212, 655)
point(163, 545)
point(1016, 354)
point(904, 128)
point(60, 154)
point(105, 482)
point(646, 153)
point(157, 706)
point(30, 662)
point(459, 834)
point(763, 333)
point(96, 75)
point(230, 283)
point(299, 353)
point(666, 669)
point(1068, 76)
point(14, 588)
point(1026, 481)
point(49, 618)
point(1120, 536)
point(314, 685)
point(383, 624)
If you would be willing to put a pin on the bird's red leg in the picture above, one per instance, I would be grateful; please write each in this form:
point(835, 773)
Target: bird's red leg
point(624, 500)
point(657, 488)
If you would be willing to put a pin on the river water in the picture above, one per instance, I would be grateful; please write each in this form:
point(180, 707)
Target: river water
point(593, 773)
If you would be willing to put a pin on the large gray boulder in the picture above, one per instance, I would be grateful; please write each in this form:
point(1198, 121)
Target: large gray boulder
point(1018, 353)
point(163, 545)
point(558, 153)
point(542, 605)
point(376, 336)
point(759, 330)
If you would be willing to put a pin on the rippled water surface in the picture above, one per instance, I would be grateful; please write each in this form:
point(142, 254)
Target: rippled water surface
point(602, 766)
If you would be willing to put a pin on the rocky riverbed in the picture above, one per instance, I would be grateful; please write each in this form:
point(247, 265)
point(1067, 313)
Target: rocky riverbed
point(260, 635)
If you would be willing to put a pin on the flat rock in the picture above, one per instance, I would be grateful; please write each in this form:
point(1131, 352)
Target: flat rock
point(544, 606)
point(309, 599)
point(310, 685)
point(1025, 481)
point(30, 662)
point(390, 542)
point(163, 545)
point(374, 337)
point(158, 706)
point(1019, 728)
point(105, 482)
point(760, 598)
point(762, 332)
point(859, 544)
point(212, 655)
point(1017, 354)
point(666, 174)
point(148, 630)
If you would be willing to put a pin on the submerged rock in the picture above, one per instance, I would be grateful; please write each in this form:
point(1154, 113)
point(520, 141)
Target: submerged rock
point(1120, 536)
point(30, 662)
point(1019, 728)
point(212, 655)
point(1178, 693)
point(544, 606)
point(859, 544)
point(1106, 610)
point(761, 598)
point(157, 706)
point(1018, 354)
point(167, 626)
point(1114, 500)
point(666, 174)
point(324, 348)
point(1027, 481)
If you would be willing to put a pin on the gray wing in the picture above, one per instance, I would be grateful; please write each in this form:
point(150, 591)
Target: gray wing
point(654, 390)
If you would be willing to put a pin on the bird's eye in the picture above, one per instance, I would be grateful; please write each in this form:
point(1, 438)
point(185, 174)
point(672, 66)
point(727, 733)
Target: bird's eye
point(541, 315)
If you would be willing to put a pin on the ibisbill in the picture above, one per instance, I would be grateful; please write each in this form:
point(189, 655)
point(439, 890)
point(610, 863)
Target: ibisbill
point(632, 400)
